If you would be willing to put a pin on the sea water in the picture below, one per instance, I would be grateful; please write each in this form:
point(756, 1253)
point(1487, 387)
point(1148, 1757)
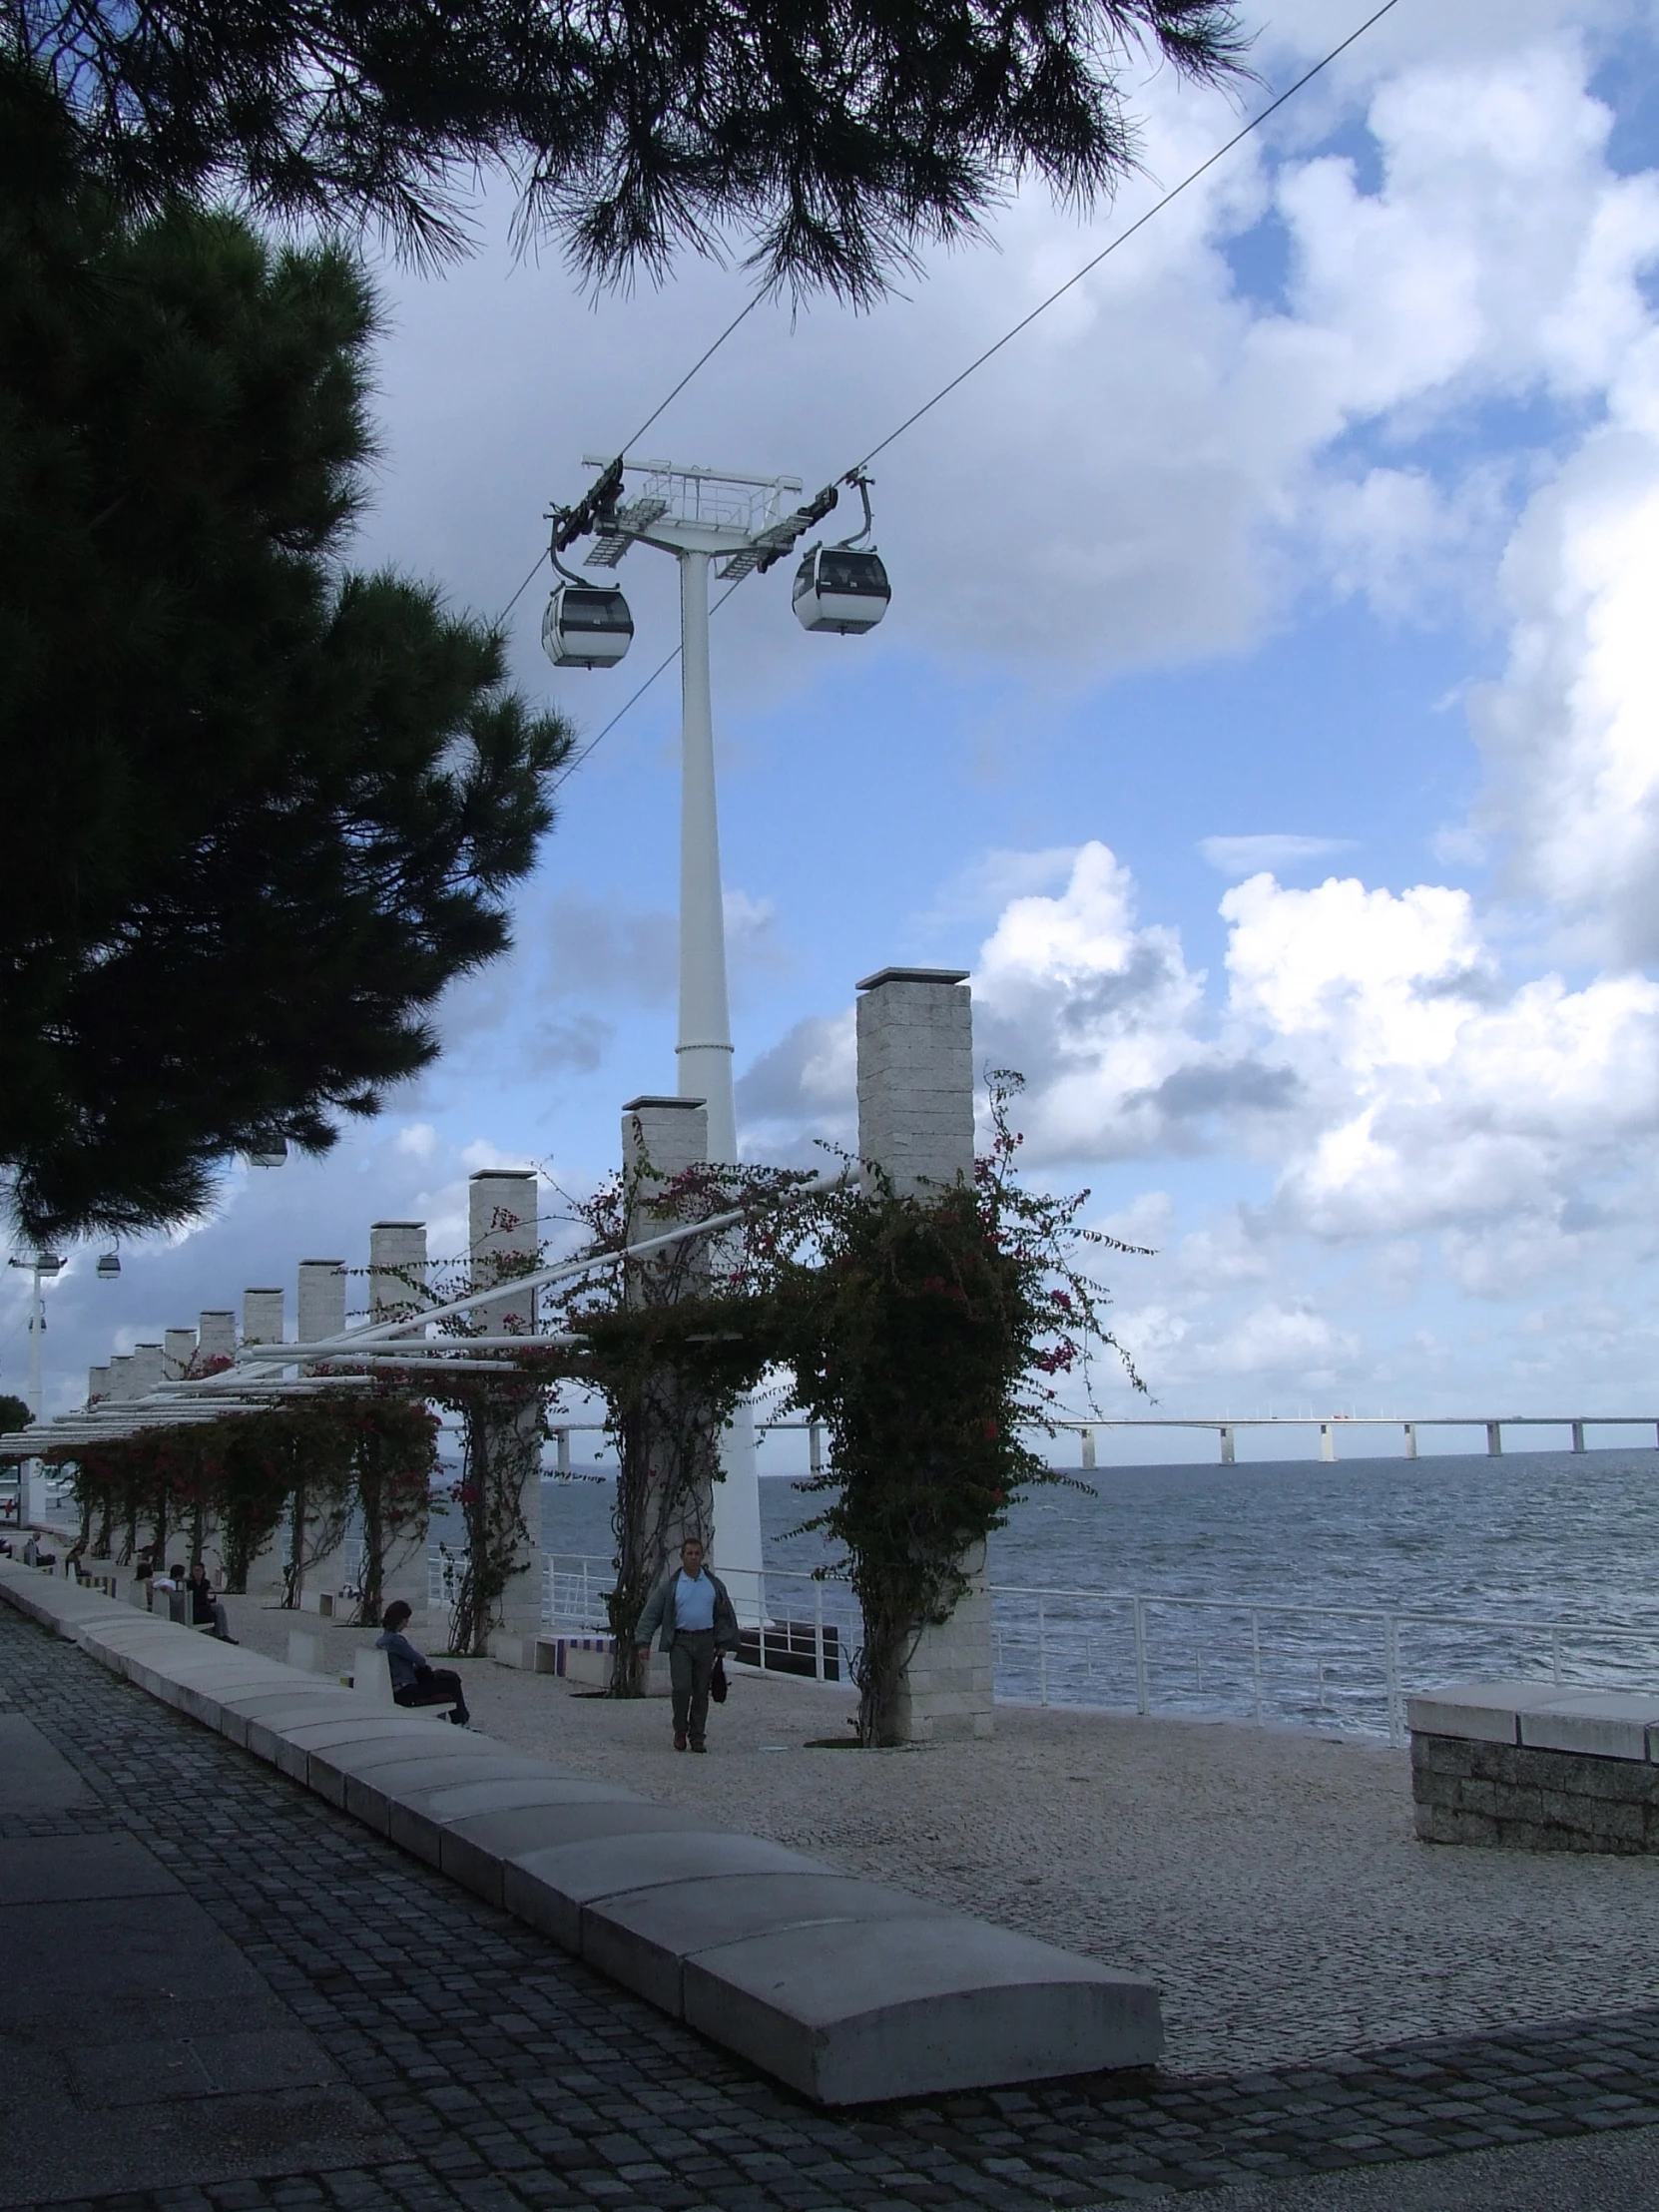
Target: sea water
point(1292, 1590)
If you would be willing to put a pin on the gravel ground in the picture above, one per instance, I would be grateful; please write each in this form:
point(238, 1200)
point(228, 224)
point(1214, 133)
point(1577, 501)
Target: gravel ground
point(1267, 1879)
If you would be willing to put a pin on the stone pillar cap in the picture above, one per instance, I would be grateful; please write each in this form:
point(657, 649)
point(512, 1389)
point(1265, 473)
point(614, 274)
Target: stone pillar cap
point(634, 1105)
point(492, 1174)
point(913, 976)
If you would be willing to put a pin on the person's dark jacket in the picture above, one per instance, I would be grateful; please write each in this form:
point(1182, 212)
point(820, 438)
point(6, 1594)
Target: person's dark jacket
point(659, 1613)
point(407, 1665)
point(203, 1600)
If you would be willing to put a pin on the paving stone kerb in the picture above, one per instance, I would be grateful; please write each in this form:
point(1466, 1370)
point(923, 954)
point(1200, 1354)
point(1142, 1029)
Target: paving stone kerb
point(850, 1992)
point(1534, 1766)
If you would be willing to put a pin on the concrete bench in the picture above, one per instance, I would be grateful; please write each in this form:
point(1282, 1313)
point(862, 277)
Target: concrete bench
point(1536, 1765)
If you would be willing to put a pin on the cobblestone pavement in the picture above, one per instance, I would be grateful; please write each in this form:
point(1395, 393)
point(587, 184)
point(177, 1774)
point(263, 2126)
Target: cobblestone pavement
point(1268, 1880)
point(518, 2078)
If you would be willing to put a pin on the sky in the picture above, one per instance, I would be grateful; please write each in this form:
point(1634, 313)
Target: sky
point(1266, 717)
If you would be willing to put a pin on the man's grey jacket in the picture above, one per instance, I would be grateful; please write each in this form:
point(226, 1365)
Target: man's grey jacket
point(659, 1613)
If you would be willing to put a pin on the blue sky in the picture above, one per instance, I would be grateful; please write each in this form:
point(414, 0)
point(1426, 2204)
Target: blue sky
point(1325, 516)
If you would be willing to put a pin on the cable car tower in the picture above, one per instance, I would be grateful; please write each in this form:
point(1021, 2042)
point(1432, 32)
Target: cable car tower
point(745, 524)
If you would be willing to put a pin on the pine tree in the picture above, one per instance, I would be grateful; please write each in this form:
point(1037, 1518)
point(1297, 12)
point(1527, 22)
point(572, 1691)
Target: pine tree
point(260, 809)
point(834, 136)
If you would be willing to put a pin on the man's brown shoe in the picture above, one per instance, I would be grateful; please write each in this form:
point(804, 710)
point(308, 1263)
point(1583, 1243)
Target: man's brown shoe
point(678, 1741)
point(697, 1744)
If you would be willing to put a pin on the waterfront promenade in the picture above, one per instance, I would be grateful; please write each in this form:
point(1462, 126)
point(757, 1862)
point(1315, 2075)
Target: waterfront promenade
point(403, 2046)
point(1268, 1880)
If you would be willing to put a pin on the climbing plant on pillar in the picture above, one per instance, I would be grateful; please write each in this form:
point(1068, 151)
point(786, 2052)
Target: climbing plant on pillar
point(927, 1333)
point(673, 1344)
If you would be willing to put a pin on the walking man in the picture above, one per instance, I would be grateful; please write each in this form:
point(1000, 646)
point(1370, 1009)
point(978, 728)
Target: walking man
point(697, 1620)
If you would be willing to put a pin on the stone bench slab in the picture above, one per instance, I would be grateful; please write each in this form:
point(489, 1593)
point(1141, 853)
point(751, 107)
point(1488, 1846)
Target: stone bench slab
point(481, 1849)
point(847, 2022)
point(1553, 1716)
point(643, 1937)
point(418, 1820)
point(550, 1887)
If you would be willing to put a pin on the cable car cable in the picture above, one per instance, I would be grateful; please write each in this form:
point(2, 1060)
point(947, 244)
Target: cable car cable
point(663, 666)
point(851, 475)
point(1123, 238)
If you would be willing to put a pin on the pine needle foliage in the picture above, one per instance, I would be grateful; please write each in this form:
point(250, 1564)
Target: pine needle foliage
point(261, 808)
point(830, 137)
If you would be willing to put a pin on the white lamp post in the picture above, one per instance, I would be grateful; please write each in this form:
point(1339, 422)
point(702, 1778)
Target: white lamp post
point(42, 1268)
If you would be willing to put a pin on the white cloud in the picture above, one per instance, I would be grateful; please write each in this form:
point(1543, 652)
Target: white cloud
point(1271, 849)
point(1571, 733)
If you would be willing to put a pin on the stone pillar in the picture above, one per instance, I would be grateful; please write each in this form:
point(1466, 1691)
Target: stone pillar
point(1328, 1441)
point(1578, 1435)
point(915, 1123)
point(1494, 1437)
point(262, 1317)
point(1410, 1439)
point(320, 1312)
point(321, 1306)
point(178, 1353)
point(216, 1335)
point(502, 1224)
point(261, 1323)
point(661, 1139)
point(1228, 1451)
point(397, 1285)
point(1088, 1450)
point(397, 1265)
point(120, 1366)
point(144, 1370)
point(98, 1385)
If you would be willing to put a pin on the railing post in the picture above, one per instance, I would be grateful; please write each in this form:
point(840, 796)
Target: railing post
point(1555, 1653)
point(1141, 1702)
point(818, 1629)
point(760, 1591)
point(1256, 1663)
point(1042, 1653)
point(1391, 1677)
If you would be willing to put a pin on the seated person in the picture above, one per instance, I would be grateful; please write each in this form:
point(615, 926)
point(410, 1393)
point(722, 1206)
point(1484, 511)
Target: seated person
point(173, 1579)
point(413, 1680)
point(205, 1605)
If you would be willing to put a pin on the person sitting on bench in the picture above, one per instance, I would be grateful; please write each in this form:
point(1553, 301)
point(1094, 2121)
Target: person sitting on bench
point(414, 1681)
point(207, 1607)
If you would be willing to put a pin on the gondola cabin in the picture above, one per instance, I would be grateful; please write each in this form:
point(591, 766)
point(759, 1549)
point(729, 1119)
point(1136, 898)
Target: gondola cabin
point(837, 587)
point(586, 626)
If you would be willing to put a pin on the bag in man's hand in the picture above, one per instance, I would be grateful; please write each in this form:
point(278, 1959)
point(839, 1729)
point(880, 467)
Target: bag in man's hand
point(718, 1685)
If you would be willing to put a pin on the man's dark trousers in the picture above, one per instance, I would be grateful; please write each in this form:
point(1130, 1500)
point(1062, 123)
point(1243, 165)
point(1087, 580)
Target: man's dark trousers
point(691, 1661)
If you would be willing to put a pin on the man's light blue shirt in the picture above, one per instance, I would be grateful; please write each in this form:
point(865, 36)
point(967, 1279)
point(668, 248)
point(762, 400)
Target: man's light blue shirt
point(694, 1602)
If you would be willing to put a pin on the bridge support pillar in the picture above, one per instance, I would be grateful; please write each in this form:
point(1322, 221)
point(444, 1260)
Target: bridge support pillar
point(1410, 1439)
point(1494, 1438)
point(1227, 1451)
point(1327, 1440)
point(1088, 1448)
point(1578, 1435)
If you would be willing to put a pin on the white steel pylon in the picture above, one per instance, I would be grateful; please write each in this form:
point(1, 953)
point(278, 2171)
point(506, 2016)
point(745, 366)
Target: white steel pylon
point(701, 516)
